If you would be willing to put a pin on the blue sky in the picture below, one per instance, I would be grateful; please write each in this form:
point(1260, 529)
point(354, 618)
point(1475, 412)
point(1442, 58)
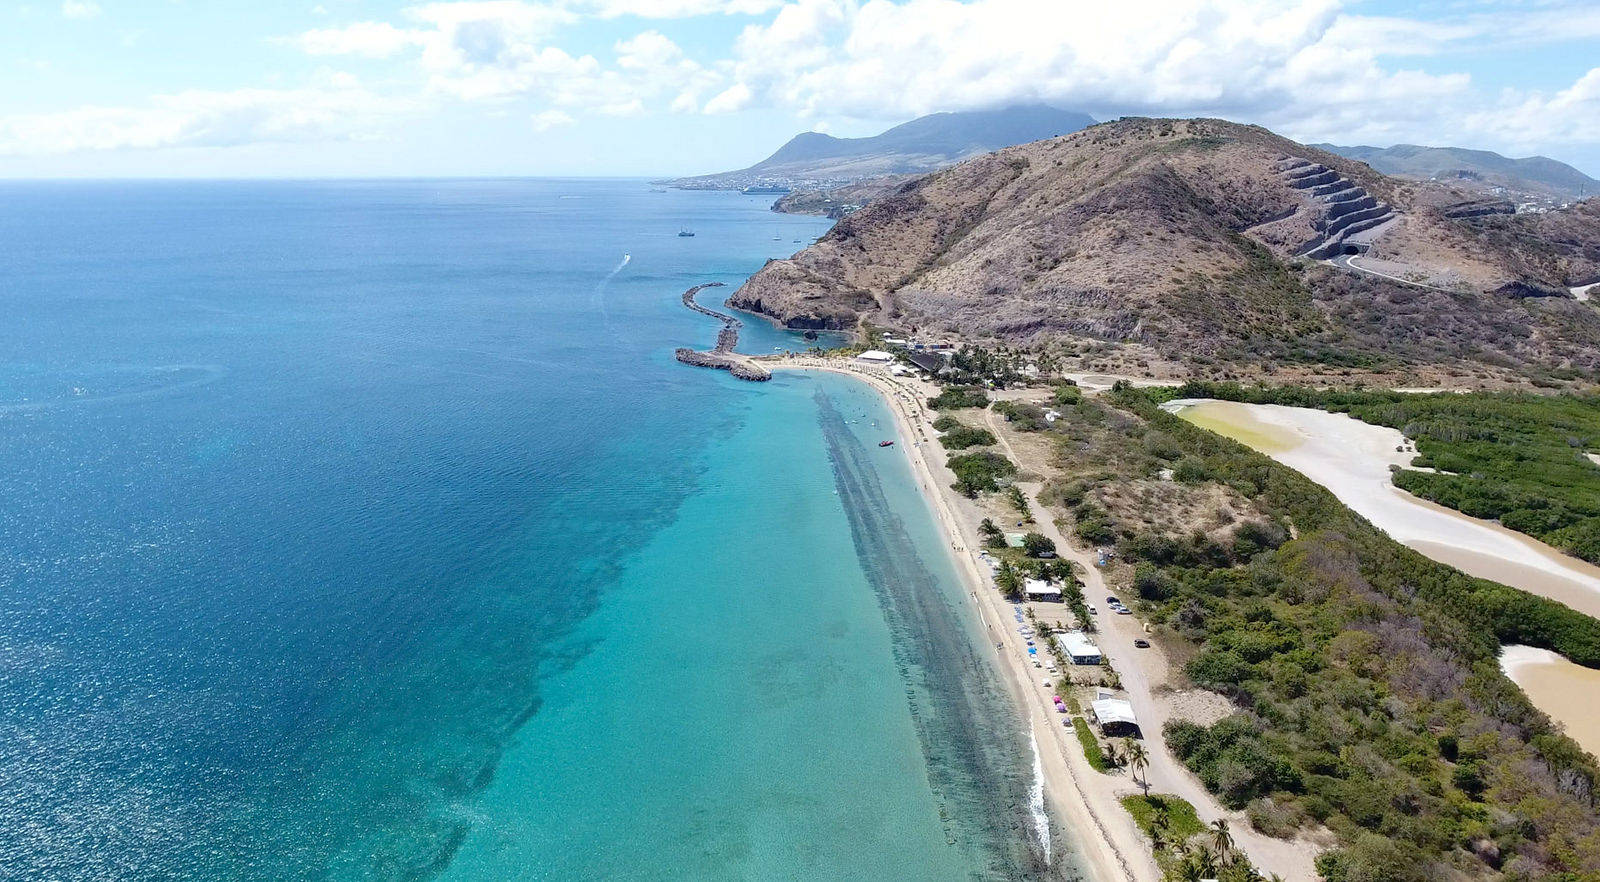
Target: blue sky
point(646, 87)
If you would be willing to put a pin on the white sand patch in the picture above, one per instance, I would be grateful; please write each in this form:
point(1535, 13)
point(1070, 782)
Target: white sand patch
point(1584, 292)
point(1352, 459)
point(1199, 706)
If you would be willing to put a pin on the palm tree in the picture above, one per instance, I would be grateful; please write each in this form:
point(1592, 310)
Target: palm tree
point(1109, 751)
point(1189, 871)
point(1008, 580)
point(1221, 839)
point(1208, 863)
point(1139, 761)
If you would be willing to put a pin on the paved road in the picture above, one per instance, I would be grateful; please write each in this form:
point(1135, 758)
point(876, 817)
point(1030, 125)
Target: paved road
point(1348, 262)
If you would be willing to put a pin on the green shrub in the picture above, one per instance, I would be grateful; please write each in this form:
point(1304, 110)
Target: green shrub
point(1181, 820)
point(957, 397)
point(1038, 545)
point(959, 437)
point(1091, 745)
point(979, 472)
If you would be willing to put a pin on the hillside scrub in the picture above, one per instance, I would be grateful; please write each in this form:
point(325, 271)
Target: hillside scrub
point(1371, 701)
point(1513, 457)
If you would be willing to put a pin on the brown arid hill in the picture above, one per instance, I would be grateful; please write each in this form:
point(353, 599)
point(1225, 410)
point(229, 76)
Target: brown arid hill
point(1174, 243)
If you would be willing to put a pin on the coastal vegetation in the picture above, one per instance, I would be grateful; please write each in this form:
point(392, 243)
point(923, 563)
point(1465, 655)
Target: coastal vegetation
point(957, 435)
point(1000, 367)
point(1365, 674)
point(958, 397)
point(1091, 745)
point(1185, 848)
point(1038, 545)
point(1019, 502)
point(1517, 458)
point(993, 537)
point(980, 472)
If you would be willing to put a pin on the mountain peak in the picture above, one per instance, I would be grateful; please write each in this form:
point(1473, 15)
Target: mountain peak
point(1484, 169)
point(927, 143)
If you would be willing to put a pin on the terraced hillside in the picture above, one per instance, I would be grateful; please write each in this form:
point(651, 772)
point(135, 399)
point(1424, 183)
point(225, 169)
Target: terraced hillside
point(1185, 244)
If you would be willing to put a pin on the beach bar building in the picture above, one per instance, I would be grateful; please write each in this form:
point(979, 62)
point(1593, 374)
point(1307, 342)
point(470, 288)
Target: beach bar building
point(875, 357)
point(1079, 648)
point(1115, 717)
point(1040, 591)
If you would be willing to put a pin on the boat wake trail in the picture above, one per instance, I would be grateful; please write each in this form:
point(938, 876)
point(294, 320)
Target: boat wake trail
point(600, 289)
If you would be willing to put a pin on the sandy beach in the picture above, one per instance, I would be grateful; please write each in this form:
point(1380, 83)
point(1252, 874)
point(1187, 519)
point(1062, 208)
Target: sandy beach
point(1352, 459)
point(1110, 843)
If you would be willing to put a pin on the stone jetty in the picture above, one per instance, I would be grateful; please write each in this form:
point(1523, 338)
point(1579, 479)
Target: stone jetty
point(722, 357)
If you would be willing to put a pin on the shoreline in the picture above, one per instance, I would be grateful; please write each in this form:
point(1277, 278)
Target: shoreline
point(1560, 688)
point(1352, 460)
point(1102, 832)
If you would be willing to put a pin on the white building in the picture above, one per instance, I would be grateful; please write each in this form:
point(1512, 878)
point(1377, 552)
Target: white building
point(1040, 591)
point(1079, 648)
point(1115, 716)
point(875, 357)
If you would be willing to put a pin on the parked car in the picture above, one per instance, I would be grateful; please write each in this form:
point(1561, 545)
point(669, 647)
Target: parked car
point(1113, 601)
point(1124, 611)
point(1142, 643)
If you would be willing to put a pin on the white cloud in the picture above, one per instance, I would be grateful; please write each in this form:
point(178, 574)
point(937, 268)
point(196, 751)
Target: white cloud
point(501, 50)
point(80, 9)
point(336, 107)
point(677, 8)
point(1314, 69)
point(371, 39)
point(1525, 122)
point(730, 100)
point(551, 119)
point(1307, 67)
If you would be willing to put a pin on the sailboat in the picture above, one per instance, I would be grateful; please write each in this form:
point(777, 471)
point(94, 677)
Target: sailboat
point(685, 233)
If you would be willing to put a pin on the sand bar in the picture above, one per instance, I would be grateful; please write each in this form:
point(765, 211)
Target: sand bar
point(1352, 459)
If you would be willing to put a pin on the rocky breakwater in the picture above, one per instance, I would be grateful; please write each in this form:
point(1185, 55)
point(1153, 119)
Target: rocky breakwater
point(722, 356)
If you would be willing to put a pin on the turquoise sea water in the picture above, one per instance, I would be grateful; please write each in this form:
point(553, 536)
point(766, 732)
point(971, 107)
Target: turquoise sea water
point(370, 531)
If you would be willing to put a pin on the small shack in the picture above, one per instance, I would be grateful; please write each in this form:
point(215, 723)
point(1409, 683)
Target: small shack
point(1115, 717)
point(1040, 591)
point(1079, 648)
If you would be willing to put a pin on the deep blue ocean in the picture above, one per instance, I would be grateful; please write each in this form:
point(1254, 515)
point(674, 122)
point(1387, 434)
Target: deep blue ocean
point(368, 530)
